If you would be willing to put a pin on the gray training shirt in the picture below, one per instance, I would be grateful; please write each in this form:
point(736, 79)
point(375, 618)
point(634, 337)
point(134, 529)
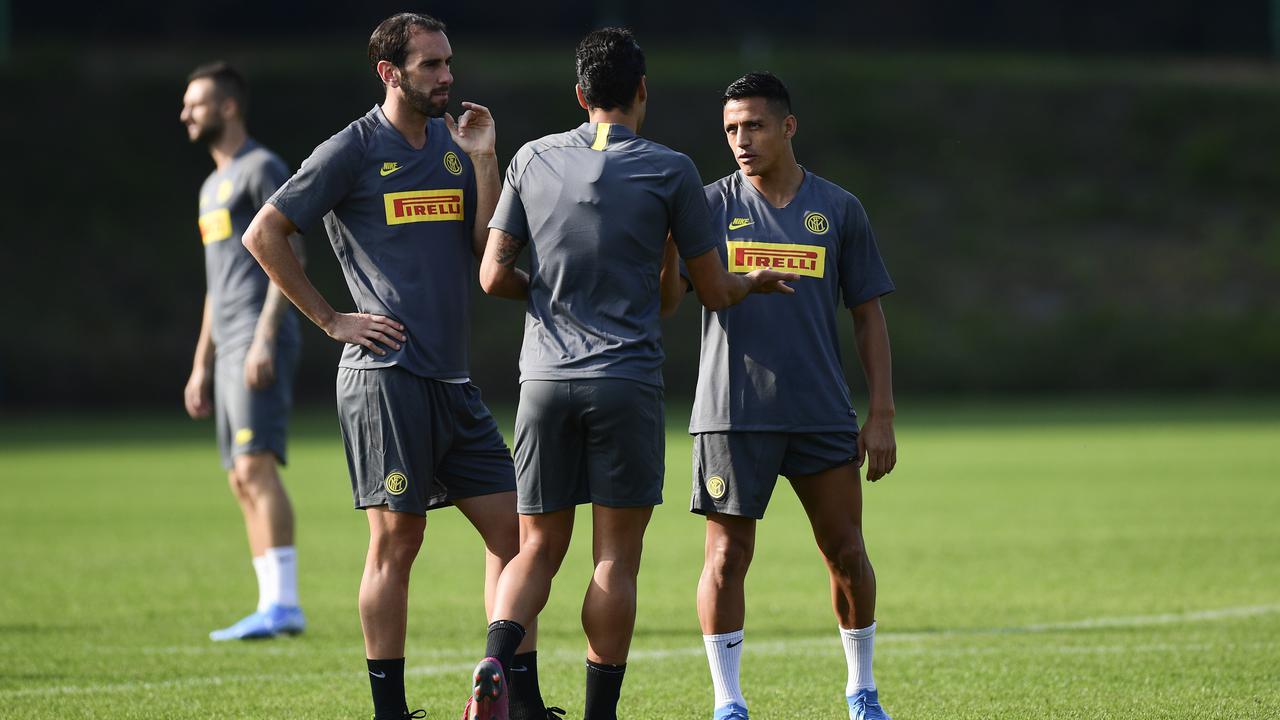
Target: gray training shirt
point(595, 204)
point(237, 285)
point(772, 362)
point(400, 222)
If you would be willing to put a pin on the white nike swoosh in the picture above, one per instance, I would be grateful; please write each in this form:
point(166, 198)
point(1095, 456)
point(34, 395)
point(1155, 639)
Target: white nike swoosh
point(519, 668)
point(380, 676)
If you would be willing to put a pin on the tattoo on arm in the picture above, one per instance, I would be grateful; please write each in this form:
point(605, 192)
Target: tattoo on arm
point(509, 247)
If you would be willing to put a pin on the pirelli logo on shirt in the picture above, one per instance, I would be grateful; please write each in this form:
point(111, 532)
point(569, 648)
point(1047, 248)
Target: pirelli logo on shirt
point(748, 255)
point(423, 206)
point(215, 226)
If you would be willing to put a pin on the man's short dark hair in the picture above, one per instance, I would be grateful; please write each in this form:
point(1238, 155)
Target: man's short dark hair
point(227, 81)
point(390, 40)
point(762, 85)
point(610, 65)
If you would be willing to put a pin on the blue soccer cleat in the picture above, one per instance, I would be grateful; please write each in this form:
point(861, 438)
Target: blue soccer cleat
point(865, 705)
point(275, 620)
point(732, 711)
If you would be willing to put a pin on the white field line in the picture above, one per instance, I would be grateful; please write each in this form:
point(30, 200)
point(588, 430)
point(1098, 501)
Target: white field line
point(777, 647)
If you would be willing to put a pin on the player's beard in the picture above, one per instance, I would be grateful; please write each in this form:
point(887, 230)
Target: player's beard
point(210, 133)
point(421, 100)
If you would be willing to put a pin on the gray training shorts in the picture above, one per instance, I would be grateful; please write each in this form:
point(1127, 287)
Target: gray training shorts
point(734, 472)
point(415, 444)
point(596, 441)
point(251, 421)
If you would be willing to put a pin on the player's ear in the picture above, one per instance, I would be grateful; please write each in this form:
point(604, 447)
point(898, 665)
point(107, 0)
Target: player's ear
point(789, 125)
point(582, 99)
point(642, 92)
point(387, 72)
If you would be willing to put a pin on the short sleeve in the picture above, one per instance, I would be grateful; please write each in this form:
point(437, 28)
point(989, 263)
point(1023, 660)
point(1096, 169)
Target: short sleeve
point(863, 276)
point(269, 177)
point(509, 216)
point(324, 179)
point(691, 225)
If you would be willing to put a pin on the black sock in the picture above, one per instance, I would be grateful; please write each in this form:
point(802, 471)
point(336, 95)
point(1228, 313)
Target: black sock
point(604, 684)
point(504, 637)
point(526, 696)
point(386, 679)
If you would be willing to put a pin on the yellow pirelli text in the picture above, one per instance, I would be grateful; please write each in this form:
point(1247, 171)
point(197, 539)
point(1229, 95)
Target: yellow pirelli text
point(423, 206)
point(748, 255)
point(215, 226)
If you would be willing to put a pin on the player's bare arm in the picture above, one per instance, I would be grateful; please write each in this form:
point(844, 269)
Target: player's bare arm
point(877, 447)
point(476, 134)
point(717, 288)
point(499, 275)
point(198, 394)
point(268, 240)
point(260, 359)
point(671, 285)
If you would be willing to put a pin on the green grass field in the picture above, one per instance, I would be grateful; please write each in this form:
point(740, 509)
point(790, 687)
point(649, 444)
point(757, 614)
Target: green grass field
point(1035, 560)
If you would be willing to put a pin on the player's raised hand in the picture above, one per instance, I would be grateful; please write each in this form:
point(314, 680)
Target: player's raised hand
point(259, 366)
point(771, 281)
point(877, 448)
point(474, 131)
point(197, 396)
point(371, 332)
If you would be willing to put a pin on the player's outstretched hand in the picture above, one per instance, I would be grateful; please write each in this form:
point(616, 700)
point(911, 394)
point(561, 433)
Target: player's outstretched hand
point(198, 395)
point(372, 332)
point(771, 281)
point(259, 366)
point(877, 448)
point(474, 131)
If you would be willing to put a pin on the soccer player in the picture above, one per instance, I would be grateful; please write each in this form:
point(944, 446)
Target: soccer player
point(595, 206)
point(406, 194)
point(249, 343)
point(771, 397)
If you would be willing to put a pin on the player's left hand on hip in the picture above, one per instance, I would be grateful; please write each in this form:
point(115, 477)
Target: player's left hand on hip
point(474, 131)
point(259, 367)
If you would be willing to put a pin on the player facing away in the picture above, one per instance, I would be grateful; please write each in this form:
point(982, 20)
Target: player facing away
point(249, 344)
point(771, 397)
point(594, 206)
point(405, 194)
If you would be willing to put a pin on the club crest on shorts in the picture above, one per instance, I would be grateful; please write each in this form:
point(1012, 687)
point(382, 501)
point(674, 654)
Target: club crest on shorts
point(396, 483)
point(716, 486)
point(244, 436)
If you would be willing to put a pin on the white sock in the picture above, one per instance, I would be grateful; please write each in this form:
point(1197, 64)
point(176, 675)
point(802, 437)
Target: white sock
point(284, 565)
point(858, 645)
point(724, 655)
point(262, 568)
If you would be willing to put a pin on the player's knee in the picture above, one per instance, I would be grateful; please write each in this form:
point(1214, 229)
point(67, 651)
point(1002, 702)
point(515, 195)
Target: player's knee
point(396, 544)
point(730, 557)
point(256, 472)
point(846, 555)
point(544, 549)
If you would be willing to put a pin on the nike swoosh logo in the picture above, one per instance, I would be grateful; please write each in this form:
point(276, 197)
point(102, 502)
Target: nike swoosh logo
point(734, 644)
point(388, 168)
point(519, 668)
point(380, 676)
point(739, 223)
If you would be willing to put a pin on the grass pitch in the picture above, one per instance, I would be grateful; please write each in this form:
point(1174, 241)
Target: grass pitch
point(1035, 560)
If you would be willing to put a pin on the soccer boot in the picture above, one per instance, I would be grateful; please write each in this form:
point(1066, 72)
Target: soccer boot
point(865, 705)
point(286, 620)
point(489, 698)
point(732, 711)
point(251, 627)
point(415, 715)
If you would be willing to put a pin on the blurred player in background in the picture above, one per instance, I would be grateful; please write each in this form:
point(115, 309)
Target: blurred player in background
point(249, 342)
point(406, 194)
point(595, 206)
point(771, 397)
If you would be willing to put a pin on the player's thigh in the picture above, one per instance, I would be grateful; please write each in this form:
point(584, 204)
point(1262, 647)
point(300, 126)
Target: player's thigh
point(549, 448)
point(823, 471)
point(734, 473)
point(386, 416)
point(625, 434)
